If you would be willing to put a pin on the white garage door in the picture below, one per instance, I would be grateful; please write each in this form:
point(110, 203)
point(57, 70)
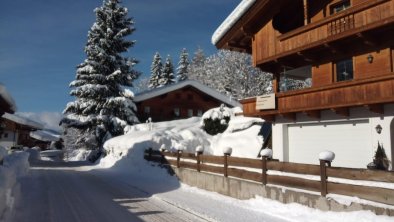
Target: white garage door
point(350, 141)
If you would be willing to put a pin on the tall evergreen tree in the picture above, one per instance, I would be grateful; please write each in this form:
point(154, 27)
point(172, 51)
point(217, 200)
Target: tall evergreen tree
point(196, 68)
point(103, 105)
point(167, 76)
point(156, 71)
point(183, 65)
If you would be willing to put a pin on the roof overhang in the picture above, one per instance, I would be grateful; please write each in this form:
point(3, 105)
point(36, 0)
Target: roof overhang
point(23, 122)
point(237, 31)
point(203, 88)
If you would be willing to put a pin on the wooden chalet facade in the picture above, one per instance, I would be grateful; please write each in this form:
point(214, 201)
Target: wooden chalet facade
point(346, 49)
point(17, 130)
point(178, 101)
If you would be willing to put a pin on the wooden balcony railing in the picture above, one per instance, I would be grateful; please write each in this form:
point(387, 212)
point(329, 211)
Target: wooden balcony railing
point(377, 90)
point(359, 18)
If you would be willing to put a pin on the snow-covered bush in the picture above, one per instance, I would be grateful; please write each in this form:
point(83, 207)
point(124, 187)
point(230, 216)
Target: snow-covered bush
point(216, 120)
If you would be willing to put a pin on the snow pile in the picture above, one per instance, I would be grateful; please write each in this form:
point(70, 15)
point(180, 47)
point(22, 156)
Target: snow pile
point(14, 166)
point(52, 155)
point(238, 12)
point(34, 153)
point(217, 113)
point(327, 156)
point(185, 135)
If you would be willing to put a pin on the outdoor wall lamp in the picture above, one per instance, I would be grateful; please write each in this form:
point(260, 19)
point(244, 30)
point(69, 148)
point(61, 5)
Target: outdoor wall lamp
point(370, 58)
point(378, 128)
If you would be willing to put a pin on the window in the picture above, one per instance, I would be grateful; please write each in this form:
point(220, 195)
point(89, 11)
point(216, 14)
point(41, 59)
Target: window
point(146, 109)
point(5, 135)
point(190, 112)
point(339, 6)
point(344, 70)
point(176, 112)
point(199, 112)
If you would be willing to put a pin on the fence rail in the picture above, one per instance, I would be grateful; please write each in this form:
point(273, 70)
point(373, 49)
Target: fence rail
point(258, 170)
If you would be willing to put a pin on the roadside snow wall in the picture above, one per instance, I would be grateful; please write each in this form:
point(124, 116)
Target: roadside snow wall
point(12, 167)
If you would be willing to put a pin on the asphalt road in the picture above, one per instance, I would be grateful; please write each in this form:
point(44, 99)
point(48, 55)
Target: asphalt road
point(64, 194)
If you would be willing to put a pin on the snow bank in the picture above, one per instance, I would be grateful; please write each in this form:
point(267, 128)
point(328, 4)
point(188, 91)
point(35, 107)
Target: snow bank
point(185, 135)
point(14, 166)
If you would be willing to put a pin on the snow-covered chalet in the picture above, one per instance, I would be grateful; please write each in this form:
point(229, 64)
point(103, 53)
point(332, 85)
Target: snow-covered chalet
point(344, 48)
point(180, 100)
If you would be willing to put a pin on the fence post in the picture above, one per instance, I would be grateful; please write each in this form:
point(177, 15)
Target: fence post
point(150, 154)
point(178, 158)
point(225, 165)
point(264, 170)
point(198, 160)
point(162, 159)
point(323, 176)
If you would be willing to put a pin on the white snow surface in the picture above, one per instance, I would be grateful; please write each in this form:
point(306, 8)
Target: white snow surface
point(238, 12)
point(125, 163)
point(327, 156)
point(187, 135)
point(23, 120)
point(15, 165)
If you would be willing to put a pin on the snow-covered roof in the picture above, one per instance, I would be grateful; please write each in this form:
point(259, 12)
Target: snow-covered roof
point(7, 97)
point(22, 121)
point(238, 12)
point(203, 88)
point(44, 135)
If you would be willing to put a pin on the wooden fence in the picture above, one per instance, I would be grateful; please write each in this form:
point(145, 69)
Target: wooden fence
point(242, 168)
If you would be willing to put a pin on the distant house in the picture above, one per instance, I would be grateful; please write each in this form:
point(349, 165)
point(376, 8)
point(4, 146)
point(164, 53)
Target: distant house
point(181, 100)
point(17, 131)
point(345, 50)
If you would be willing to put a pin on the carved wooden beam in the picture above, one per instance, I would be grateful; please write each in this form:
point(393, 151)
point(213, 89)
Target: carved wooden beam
point(313, 114)
point(289, 116)
point(333, 49)
point(306, 57)
point(341, 111)
point(269, 118)
point(376, 108)
point(367, 40)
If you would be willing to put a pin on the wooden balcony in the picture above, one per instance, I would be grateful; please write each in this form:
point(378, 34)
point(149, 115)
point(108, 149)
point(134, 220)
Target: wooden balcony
point(357, 25)
point(371, 93)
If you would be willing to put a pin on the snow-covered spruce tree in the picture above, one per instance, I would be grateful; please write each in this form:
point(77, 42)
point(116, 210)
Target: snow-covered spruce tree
point(103, 106)
point(156, 71)
point(183, 65)
point(167, 76)
point(196, 67)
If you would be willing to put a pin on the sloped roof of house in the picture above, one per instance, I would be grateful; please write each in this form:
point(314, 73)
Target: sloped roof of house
point(226, 25)
point(203, 88)
point(44, 135)
point(23, 121)
point(6, 97)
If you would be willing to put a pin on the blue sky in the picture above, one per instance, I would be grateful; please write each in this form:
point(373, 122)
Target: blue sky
point(42, 41)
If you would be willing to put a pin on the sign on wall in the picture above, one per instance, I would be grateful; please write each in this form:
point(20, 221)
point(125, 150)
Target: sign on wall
point(265, 102)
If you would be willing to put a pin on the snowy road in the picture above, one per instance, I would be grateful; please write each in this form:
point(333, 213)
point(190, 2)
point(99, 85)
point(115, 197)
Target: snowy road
point(56, 194)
